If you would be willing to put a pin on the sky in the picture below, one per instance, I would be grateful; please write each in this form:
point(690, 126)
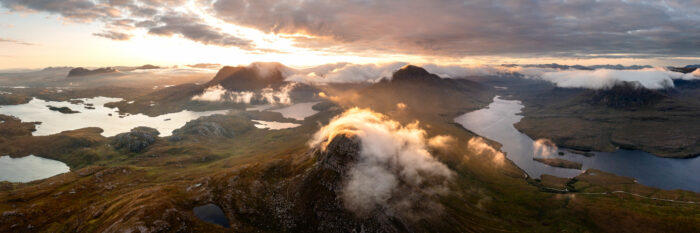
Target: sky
point(303, 33)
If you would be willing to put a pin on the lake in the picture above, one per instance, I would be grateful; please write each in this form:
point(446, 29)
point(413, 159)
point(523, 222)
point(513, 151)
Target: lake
point(212, 214)
point(108, 119)
point(29, 168)
point(298, 111)
point(274, 125)
point(496, 121)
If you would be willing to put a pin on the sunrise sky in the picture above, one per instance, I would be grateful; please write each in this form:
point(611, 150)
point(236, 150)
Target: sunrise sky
point(95, 33)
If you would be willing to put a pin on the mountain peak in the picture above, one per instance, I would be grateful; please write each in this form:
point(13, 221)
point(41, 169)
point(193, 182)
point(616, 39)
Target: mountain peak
point(411, 73)
point(248, 77)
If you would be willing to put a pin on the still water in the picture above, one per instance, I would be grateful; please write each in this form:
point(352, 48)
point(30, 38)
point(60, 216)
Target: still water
point(274, 125)
point(29, 168)
point(496, 123)
point(93, 113)
point(212, 214)
point(298, 111)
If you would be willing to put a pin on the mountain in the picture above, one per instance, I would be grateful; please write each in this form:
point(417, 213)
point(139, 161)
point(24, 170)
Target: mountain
point(582, 67)
point(260, 83)
point(147, 67)
point(626, 95)
point(80, 71)
point(685, 69)
point(244, 78)
point(421, 91)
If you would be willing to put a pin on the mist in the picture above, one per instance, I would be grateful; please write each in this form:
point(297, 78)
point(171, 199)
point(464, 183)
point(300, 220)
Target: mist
point(395, 171)
point(266, 95)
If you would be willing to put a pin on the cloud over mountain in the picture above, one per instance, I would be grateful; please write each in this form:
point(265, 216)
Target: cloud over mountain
point(395, 172)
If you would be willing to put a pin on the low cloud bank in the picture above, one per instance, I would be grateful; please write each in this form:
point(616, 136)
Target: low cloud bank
point(650, 78)
point(264, 96)
point(593, 77)
point(395, 172)
point(604, 78)
point(369, 73)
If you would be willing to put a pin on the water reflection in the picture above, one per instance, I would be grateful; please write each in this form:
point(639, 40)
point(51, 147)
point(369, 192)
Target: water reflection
point(274, 125)
point(212, 214)
point(108, 119)
point(496, 122)
point(298, 111)
point(29, 168)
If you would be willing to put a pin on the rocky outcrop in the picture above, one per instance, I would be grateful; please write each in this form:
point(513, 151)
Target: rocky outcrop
point(321, 207)
point(213, 126)
point(64, 110)
point(137, 140)
point(340, 153)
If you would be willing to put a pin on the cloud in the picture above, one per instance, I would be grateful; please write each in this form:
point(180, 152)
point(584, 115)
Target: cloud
point(162, 18)
point(650, 78)
point(113, 35)
point(191, 28)
point(605, 78)
point(591, 78)
point(78, 10)
point(454, 28)
point(394, 171)
point(3, 40)
point(346, 73)
point(369, 73)
point(205, 66)
point(462, 28)
point(441, 142)
point(264, 96)
point(544, 148)
point(481, 148)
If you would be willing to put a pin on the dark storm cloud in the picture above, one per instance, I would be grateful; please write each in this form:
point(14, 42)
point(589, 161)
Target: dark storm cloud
point(113, 35)
point(451, 27)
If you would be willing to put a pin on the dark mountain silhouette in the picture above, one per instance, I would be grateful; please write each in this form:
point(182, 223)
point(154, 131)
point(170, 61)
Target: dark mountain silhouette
point(80, 71)
point(685, 69)
point(626, 95)
point(253, 77)
point(423, 91)
point(147, 67)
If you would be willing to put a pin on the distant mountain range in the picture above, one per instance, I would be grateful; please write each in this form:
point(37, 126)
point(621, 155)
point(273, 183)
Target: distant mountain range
point(582, 67)
point(685, 69)
point(80, 71)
